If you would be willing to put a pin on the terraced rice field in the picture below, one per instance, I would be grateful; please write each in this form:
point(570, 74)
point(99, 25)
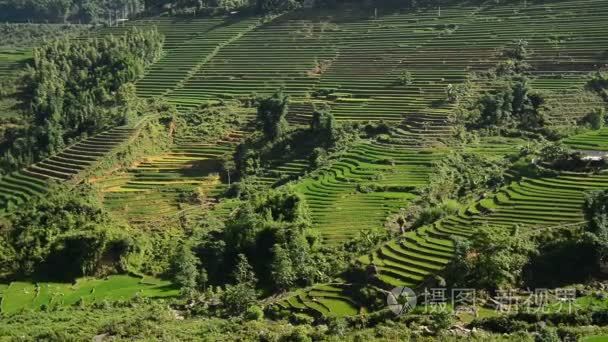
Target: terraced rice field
point(33, 296)
point(560, 64)
point(158, 186)
point(407, 261)
point(19, 186)
point(213, 59)
point(341, 211)
point(325, 300)
point(529, 203)
point(189, 45)
point(591, 141)
point(10, 60)
point(357, 57)
point(342, 207)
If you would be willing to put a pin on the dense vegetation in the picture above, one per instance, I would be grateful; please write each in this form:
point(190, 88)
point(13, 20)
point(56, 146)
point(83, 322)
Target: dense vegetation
point(62, 236)
point(273, 175)
point(79, 88)
point(29, 35)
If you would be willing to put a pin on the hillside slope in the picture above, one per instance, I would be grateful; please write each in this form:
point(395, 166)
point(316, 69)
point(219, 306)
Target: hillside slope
point(365, 64)
point(352, 57)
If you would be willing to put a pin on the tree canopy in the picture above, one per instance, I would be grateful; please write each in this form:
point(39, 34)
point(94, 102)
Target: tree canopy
point(80, 87)
point(63, 235)
point(493, 258)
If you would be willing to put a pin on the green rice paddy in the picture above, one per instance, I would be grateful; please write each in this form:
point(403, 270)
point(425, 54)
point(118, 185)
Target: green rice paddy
point(34, 296)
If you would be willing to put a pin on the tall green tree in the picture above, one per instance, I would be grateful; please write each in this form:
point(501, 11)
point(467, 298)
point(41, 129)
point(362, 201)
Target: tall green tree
point(596, 214)
point(243, 273)
point(324, 127)
point(275, 6)
point(282, 269)
point(237, 298)
point(186, 270)
point(271, 117)
point(271, 228)
point(461, 174)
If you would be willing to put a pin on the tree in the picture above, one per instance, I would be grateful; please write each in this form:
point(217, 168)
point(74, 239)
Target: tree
point(405, 78)
point(77, 11)
point(560, 157)
point(228, 165)
point(596, 214)
point(237, 298)
point(243, 274)
point(547, 334)
point(595, 119)
point(455, 92)
point(66, 234)
point(282, 269)
point(450, 92)
point(323, 125)
point(58, 9)
point(514, 105)
point(271, 115)
point(186, 268)
point(271, 228)
point(231, 5)
point(319, 157)
point(518, 51)
point(493, 258)
point(9, 262)
point(254, 313)
point(461, 174)
point(299, 248)
point(275, 6)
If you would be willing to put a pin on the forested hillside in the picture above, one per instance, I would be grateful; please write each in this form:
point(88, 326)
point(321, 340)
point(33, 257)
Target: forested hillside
point(272, 170)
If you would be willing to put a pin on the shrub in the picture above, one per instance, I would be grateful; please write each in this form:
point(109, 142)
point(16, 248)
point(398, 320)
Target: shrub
point(254, 313)
point(299, 334)
point(441, 320)
point(501, 324)
point(546, 335)
point(319, 157)
point(300, 318)
point(596, 119)
point(405, 78)
point(460, 174)
point(599, 84)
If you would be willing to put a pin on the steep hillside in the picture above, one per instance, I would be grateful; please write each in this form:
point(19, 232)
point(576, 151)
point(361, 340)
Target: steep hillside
point(401, 81)
point(72, 165)
point(352, 57)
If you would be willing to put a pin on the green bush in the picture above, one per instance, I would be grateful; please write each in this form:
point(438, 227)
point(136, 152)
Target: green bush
point(596, 119)
point(254, 313)
point(64, 235)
